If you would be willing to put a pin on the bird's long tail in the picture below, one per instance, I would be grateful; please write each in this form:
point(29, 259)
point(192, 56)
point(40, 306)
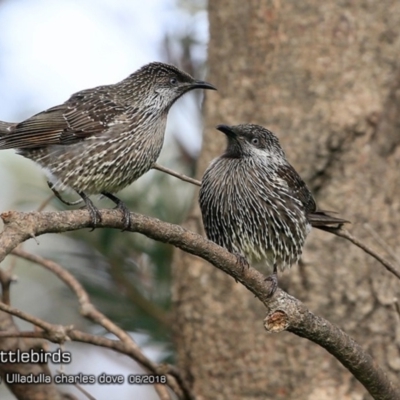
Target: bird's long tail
point(323, 220)
point(5, 129)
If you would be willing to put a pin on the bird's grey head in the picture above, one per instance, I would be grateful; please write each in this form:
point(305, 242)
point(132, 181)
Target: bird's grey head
point(160, 85)
point(249, 140)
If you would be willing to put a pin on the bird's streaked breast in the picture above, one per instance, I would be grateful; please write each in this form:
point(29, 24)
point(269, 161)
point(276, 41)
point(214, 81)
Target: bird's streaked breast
point(247, 209)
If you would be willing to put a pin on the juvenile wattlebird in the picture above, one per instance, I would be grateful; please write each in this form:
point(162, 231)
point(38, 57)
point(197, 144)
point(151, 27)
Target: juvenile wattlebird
point(255, 204)
point(102, 139)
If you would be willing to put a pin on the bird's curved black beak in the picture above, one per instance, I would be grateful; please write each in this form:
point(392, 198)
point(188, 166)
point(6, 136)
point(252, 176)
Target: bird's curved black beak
point(227, 130)
point(202, 85)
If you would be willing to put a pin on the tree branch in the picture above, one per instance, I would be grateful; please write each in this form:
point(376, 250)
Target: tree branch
point(343, 233)
point(12, 342)
point(87, 310)
point(287, 313)
point(59, 334)
point(293, 317)
point(171, 172)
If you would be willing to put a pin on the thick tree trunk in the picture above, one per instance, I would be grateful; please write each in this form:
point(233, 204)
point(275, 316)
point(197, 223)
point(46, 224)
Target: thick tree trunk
point(324, 76)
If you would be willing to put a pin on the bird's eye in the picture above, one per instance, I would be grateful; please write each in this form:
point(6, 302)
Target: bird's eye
point(173, 81)
point(255, 141)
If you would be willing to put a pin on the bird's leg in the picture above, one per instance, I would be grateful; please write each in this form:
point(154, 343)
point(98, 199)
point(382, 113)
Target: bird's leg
point(126, 214)
point(58, 195)
point(241, 260)
point(93, 211)
point(274, 281)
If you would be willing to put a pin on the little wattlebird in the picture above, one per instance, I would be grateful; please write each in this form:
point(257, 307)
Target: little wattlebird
point(102, 139)
point(255, 204)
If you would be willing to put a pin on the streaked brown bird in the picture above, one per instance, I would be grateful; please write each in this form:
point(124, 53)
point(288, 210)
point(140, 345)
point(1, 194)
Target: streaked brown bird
point(255, 204)
point(102, 139)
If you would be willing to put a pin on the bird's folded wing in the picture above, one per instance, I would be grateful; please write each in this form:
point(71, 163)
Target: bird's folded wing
point(297, 187)
point(81, 116)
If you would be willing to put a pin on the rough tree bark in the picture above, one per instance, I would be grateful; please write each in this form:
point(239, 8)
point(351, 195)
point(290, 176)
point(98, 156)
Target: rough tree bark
point(324, 76)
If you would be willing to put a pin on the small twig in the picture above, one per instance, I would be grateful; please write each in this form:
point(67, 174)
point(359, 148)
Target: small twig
point(341, 232)
point(80, 388)
point(5, 282)
point(396, 306)
point(54, 333)
point(87, 308)
point(174, 371)
point(171, 172)
point(21, 334)
point(162, 391)
point(383, 244)
point(84, 392)
point(44, 204)
point(11, 267)
point(57, 270)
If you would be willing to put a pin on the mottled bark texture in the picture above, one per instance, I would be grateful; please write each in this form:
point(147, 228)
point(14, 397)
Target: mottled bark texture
point(324, 76)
